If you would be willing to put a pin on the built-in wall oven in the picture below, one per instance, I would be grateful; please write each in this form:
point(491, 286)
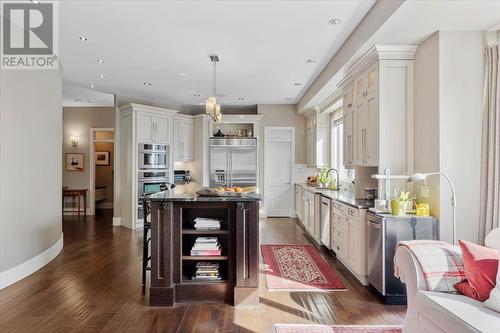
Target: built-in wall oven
point(153, 156)
point(150, 182)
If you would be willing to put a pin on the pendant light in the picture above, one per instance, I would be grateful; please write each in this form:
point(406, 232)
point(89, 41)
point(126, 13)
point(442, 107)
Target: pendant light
point(211, 106)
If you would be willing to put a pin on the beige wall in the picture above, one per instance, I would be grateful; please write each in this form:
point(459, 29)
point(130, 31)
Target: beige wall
point(77, 121)
point(30, 169)
point(426, 119)
point(285, 115)
point(449, 69)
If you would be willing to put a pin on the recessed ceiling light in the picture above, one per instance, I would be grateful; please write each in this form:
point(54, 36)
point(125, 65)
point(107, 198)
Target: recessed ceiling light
point(241, 98)
point(83, 38)
point(297, 84)
point(288, 98)
point(100, 61)
point(147, 84)
point(335, 21)
point(182, 74)
point(196, 95)
point(92, 86)
point(101, 76)
point(311, 61)
point(92, 100)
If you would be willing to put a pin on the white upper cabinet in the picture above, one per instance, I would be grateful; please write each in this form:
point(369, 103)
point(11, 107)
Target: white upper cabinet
point(153, 128)
point(183, 138)
point(145, 131)
point(317, 137)
point(379, 124)
point(349, 130)
point(163, 128)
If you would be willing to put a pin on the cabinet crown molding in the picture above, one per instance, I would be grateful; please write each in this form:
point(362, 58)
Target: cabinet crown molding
point(142, 107)
point(184, 116)
point(377, 52)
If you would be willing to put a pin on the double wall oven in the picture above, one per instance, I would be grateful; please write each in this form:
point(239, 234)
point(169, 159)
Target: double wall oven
point(153, 173)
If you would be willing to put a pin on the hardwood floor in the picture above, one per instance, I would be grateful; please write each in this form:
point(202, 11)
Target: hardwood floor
point(94, 285)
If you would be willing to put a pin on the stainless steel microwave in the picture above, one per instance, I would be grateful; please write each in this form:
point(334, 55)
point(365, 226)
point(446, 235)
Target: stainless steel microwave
point(153, 156)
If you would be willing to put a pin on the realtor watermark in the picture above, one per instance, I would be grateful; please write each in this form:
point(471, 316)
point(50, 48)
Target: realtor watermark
point(29, 35)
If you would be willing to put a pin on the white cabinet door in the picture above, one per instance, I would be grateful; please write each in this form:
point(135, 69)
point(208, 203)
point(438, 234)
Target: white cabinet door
point(358, 131)
point(298, 202)
point(371, 79)
point(177, 140)
point(352, 243)
point(311, 221)
point(145, 127)
point(359, 89)
point(371, 130)
point(162, 128)
point(187, 140)
point(305, 210)
point(348, 139)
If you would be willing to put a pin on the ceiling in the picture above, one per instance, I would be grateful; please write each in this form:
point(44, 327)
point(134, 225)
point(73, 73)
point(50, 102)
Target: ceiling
point(412, 23)
point(74, 95)
point(263, 48)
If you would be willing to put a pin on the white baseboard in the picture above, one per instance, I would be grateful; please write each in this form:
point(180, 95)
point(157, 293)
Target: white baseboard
point(30, 266)
point(117, 221)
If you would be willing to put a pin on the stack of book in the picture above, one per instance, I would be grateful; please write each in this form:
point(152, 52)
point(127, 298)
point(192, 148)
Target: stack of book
point(206, 246)
point(202, 223)
point(207, 271)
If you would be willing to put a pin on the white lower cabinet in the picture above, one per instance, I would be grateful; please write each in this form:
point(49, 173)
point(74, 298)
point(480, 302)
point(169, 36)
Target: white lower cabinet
point(308, 211)
point(299, 202)
point(349, 238)
point(347, 228)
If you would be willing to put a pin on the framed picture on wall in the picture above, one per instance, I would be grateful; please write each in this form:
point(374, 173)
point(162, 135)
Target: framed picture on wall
point(74, 161)
point(102, 157)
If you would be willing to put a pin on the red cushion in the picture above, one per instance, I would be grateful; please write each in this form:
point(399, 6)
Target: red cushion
point(481, 265)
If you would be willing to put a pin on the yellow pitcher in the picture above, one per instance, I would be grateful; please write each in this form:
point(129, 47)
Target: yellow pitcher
point(422, 209)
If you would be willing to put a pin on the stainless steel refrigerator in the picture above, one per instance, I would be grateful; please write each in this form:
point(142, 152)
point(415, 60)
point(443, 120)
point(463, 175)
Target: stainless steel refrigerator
point(233, 162)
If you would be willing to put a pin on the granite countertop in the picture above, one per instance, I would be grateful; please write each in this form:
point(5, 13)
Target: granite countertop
point(187, 192)
point(345, 197)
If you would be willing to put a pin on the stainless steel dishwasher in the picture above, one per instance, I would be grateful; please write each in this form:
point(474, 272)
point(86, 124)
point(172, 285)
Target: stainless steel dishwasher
point(384, 233)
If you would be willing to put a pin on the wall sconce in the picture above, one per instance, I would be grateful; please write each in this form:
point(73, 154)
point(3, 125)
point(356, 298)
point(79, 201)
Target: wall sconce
point(74, 141)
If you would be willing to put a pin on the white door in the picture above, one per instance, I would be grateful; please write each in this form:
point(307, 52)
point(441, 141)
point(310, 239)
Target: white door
point(278, 162)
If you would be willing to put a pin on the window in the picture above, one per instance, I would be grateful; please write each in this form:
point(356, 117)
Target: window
point(337, 148)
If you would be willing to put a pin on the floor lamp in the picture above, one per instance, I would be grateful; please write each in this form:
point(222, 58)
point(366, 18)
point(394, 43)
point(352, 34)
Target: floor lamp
point(423, 176)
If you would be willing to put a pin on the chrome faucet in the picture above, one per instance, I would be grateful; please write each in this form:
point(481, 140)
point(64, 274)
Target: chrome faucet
point(337, 179)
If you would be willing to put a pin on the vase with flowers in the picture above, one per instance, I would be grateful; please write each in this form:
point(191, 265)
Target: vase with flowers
point(399, 203)
point(323, 178)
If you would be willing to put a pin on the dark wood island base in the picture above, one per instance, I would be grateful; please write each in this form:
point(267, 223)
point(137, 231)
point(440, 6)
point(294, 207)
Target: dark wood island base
point(173, 235)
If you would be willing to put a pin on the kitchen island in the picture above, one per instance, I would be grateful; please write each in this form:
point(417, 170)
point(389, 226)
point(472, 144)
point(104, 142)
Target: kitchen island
point(174, 268)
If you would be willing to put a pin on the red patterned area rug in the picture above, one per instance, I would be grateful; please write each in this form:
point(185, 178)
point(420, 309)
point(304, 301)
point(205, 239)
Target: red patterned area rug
point(298, 268)
point(283, 328)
